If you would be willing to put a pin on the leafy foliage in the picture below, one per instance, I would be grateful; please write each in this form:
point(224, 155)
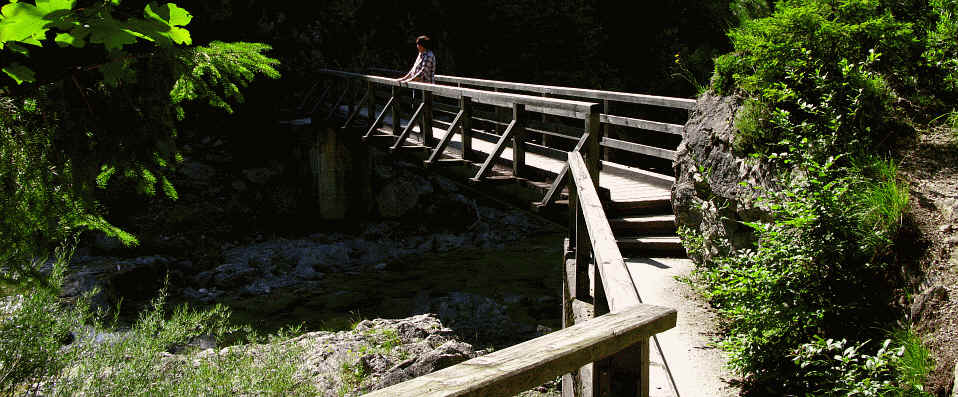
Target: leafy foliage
point(942, 47)
point(828, 85)
point(806, 274)
point(217, 72)
point(836, 368)
point(814, 70)
point(95, 106)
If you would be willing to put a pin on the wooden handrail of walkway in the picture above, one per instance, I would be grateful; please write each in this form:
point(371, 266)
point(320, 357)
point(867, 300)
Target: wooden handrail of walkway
point(603, 348)
point(529, 364)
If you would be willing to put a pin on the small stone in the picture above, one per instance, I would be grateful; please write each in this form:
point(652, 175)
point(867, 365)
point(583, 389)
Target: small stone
point(203, 290)
point(944, 228)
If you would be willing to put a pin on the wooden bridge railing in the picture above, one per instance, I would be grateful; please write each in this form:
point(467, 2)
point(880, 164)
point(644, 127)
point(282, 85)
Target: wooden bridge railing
point(522, 107)
point(619, 132)
point(603, 348)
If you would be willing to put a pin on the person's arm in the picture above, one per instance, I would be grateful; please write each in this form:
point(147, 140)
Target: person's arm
point(409, 74)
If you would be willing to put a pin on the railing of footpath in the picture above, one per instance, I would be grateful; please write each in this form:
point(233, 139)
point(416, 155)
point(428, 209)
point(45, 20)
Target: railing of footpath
point(603, 348)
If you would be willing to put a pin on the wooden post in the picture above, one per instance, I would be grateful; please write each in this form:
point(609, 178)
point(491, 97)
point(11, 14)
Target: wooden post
point(499, 117)
point(518, 137)
point(546, 139)
point(606, 129)
point(397, 123)
point(591, 148)
point(466, 103)
point(425, 127)
point(371, 106)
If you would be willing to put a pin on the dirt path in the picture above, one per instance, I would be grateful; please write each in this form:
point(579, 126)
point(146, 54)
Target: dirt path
point(697, 367)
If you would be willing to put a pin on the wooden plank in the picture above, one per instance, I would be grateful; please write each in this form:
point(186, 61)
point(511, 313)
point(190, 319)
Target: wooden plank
point(529, 364)
point(639, 148)
point(379, 118)
point(496, 152)
point(675, 129)
point(355, 112)
point(663, 101)
point(441, 146)
point(407, 130)
point(561, 180)
point(617, 281)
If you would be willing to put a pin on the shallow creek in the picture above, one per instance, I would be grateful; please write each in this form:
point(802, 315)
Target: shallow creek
point(493, 297)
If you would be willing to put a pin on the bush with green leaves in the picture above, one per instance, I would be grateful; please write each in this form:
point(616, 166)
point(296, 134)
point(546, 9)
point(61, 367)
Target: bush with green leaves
point(816, 267)
point(89, 98)
point(839, 368)
point(817, 70)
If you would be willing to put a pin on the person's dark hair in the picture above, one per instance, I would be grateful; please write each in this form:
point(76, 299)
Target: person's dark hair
point(424, 41)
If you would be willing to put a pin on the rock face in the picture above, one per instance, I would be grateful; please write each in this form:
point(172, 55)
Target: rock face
point(708, 196)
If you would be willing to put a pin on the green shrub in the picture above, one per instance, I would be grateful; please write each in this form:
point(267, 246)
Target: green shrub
point(808, 274)
point(813, 70)
point(941, 45)
point(838, 368)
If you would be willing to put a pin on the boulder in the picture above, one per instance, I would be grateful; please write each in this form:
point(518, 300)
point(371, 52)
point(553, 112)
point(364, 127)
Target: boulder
point(708, 195)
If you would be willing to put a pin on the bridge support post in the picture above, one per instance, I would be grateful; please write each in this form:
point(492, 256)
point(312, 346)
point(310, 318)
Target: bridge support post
point(425, 126)
point(396, 117)
point(518, 140)
point(466, 104)
point(591, 148)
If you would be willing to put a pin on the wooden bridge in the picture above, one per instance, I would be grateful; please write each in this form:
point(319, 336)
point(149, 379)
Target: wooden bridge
point(579, 153)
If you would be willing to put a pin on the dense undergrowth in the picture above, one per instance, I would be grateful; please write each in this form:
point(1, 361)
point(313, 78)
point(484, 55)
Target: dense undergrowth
point(50, 349)
point(830, 87)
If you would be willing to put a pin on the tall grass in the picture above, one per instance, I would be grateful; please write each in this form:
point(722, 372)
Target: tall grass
point(51, 350)
point(882, 198)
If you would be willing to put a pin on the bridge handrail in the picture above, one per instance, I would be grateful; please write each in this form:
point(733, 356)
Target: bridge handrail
point(617, 283)
point(555, 106)
point(526, 365)
point(643, 99)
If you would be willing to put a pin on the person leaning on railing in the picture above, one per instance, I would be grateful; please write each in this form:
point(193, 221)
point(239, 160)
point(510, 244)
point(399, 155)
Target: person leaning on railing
point(424, 70)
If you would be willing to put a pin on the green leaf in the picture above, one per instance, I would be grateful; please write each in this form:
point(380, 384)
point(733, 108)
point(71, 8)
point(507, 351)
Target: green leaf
point(169, 13)
point(67, 39)
point(48, 6)
point(22, 22)
point(20, 73)
point(112, 35)
point(173, 18)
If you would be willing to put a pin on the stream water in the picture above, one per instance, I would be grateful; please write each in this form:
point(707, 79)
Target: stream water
point(492, 297)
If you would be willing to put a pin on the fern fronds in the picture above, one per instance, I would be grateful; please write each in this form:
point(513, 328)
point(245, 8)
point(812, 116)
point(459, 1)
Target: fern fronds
point(217, 71)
